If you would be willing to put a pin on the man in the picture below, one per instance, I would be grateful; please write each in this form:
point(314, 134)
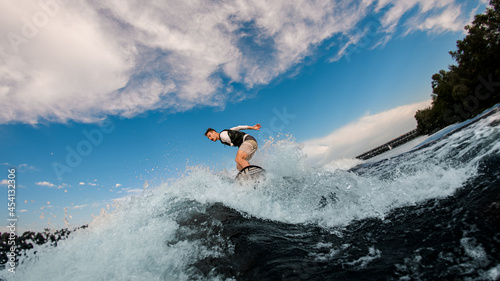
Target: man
point(247, 145)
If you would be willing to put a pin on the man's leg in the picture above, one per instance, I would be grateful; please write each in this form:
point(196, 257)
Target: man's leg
point(241, 160)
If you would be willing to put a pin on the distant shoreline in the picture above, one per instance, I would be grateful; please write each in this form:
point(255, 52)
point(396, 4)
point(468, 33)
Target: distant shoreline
point(405, 138)
point(389, 145)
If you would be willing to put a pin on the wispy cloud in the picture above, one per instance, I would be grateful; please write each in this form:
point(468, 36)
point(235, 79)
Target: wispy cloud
point(450, 17)
point(25, 167)
point(45, 183)
point(83, 60)
point(136, 191)
point(63, 185)
point(131, 193)
point(79, 206)
point(362, 135)
point(21, 167)
point(88, 183)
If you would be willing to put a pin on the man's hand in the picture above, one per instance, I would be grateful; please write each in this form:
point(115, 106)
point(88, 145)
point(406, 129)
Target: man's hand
point(256, 127)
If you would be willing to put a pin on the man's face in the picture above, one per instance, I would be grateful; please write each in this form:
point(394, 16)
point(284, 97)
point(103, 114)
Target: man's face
point(212, 135)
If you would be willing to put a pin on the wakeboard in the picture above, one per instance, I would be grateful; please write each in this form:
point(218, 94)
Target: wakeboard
point(251, 172)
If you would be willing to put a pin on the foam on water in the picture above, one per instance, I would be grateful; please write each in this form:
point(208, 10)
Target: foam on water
point(129, 244)
point(140, 239)
point(293, 192)
point(492, 274)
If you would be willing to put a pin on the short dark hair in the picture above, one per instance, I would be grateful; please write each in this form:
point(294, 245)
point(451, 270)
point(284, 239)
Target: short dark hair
point(208, 131)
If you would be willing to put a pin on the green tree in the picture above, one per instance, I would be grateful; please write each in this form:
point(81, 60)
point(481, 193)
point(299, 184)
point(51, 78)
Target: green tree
point(471, 86)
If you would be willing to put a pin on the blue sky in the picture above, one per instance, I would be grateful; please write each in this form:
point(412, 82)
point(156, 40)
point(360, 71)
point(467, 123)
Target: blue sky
point(98, 98)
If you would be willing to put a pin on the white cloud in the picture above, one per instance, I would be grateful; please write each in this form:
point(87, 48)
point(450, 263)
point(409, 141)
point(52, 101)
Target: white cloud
point(118, 185)
point(63, 185)
point(364, 134)
point(431, 16)
point(131, 193)
point(21, 167)
point(83, 60)
point(4, 182)
point(449, 18)
point(45, 183)
point(136, 191)
point(397, 9)
point(63, 68)
point(26, 167)
point(79, 206)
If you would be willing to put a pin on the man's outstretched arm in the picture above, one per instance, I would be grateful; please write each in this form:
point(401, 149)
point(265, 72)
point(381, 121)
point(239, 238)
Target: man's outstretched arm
point(254, 127)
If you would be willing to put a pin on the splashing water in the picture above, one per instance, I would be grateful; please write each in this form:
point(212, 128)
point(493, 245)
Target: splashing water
point(184, 230)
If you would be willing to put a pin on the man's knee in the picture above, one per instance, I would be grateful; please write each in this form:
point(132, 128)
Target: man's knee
point(241, 156)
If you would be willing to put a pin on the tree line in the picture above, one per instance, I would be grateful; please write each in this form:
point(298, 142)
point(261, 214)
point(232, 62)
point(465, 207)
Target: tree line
point(471, 86)
point(28, 240)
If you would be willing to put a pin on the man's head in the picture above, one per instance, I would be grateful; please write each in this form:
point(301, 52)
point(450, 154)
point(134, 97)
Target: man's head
point(212, 134)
